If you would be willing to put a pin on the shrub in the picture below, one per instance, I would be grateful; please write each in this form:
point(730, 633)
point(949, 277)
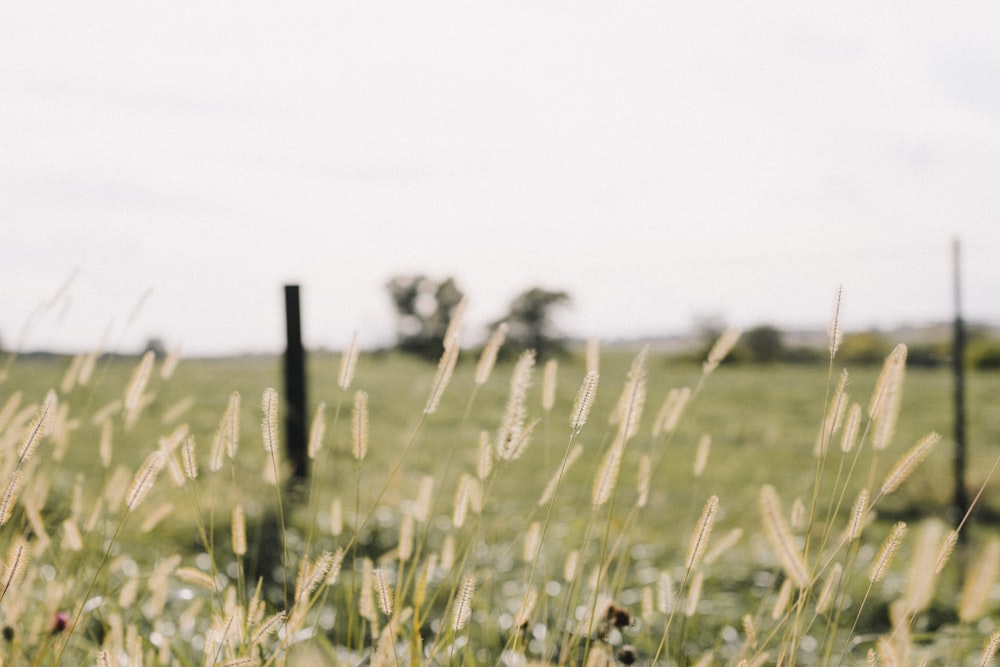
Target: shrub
point(983, 354)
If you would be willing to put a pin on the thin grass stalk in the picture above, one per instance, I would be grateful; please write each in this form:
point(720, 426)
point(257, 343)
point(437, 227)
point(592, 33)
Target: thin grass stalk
point(269, 434)
point(141, 484)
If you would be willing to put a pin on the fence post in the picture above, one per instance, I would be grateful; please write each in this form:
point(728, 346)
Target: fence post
point(961, 500)
point(295, 387)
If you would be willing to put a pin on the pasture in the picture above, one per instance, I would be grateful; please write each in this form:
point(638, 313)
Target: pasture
point(143, 528)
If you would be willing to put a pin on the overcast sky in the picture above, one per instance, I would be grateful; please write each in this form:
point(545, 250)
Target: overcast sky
point(660, 161)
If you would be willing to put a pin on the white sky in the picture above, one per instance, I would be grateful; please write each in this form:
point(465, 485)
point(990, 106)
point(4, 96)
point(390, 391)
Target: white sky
point(659, 161)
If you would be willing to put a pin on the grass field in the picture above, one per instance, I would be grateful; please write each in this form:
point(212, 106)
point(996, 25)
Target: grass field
point(419, 554)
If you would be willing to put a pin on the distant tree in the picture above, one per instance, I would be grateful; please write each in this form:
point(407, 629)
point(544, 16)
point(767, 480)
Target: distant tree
point(764, 344)
point(424, 308)
point(156, 346)
point(983, 354)
point(864, 348)
point(531, 323)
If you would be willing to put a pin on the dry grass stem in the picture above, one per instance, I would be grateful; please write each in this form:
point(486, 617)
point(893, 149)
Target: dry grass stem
point(463, 603)
point(607, 474)
point(425, 497)
point(383, 591)
point(269, 426)
point(137, 385)
point(749, 630)
point(456, 318)
point(944, 553)
point(990, 648)
point(849, 436)
point(239, 530)
point(550, 375)
point(188, 459)
point(642, 480)
point(554, 481)
point(348, 363)
point(830, 586)
point(37, 428)
point(317, 430)
point(628, 411)
point(694, 594)
point(835, 333)
point(584, 401)
point(908, 462)
point(446, 368)
point(921, 578)
point(858, 512)
point(488, 357)
point(722, 545)
point(484, 464)
point(143, 480)
point(670, 412)
point(195, 577)
point(593, 355)
point(782, 599)
point(699, 540)
point(16, 563)
point(887, 397)
point(887, 552)
point(979, 582)
point(515, 411)
point(10, 494)
point(407, 529)
point(359, 425)
point(780, 536)
point(720, 349)
point(701, 454)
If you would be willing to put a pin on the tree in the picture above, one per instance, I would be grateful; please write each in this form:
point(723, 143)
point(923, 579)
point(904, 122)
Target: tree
point(530, 321)
point(424, 308)
point(764, 344)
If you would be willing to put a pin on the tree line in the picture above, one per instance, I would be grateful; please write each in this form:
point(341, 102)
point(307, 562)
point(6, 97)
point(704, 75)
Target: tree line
point(424, 307)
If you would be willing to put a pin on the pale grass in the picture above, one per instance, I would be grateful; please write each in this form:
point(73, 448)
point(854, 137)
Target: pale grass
point(383, 591)
point(317, 431)
point(643, 480)
point(702, 532)
point(348, 363)
point(425, 580)
point(908, 462)
point(990, 648)
point(584, 401)
point(701, 454)
point(979, 582)
point(887, 398)
point(721, 349)
point(359, 426)
point(550, 377)
point(143, 480)
point(887, 552)
point(37, 428)
point(269, 425)
point(780, 536)
point(132, 401)
point(446, 368)
point(463, 603)
point(515, 412)
point(488, 357)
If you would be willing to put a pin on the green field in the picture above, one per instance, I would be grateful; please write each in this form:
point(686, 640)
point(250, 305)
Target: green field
point(763, 422)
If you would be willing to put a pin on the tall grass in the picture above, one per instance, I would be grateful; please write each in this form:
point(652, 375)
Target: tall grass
point(470, 516)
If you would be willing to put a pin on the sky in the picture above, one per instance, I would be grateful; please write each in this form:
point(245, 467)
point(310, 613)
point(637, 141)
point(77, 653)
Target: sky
point(165, 168)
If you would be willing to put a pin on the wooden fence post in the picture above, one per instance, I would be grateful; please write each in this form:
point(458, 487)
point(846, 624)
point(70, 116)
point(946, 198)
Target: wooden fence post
point(296, 436)
point(961, 499)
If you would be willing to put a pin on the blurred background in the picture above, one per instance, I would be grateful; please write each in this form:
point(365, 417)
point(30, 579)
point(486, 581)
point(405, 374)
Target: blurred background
point(166, 167)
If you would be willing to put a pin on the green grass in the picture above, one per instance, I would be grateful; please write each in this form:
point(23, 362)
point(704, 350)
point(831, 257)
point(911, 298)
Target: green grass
point(763, 422)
